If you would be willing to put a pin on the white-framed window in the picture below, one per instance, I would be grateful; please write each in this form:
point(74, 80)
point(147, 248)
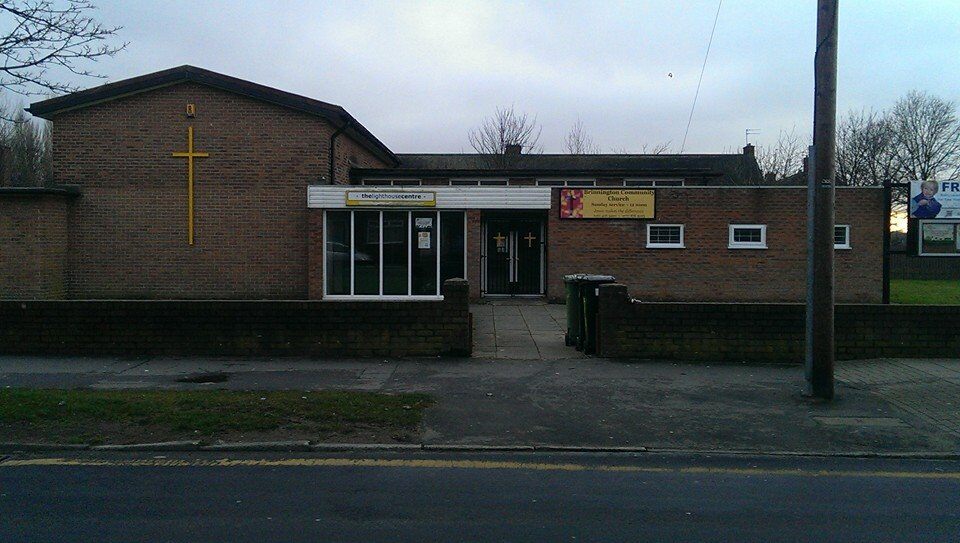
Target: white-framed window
point(748, 236)
point(648, 182)
point(665, 236)
point(387, 254)
point(939, 238)
point(572, 182)
point(391, 182)
point(841, 236)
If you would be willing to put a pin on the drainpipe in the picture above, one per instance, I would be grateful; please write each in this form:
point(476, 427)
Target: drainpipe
point(333, 138)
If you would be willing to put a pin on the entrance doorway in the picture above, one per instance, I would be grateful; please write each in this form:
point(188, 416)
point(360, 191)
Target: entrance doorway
point(514, 256)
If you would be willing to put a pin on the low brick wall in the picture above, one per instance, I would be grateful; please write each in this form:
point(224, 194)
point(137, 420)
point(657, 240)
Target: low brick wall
point(759, 332)
point(240, 328)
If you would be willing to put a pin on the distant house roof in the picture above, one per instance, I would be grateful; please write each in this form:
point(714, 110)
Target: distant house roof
point(721, 168)
point(48, 109)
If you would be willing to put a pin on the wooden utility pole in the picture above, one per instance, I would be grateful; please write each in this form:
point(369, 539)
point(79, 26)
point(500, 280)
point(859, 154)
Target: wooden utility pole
point(820, 297)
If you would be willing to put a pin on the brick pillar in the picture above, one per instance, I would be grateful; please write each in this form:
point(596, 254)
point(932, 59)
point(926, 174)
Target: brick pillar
point(456, 301)
point(612, 304)
point(474, 243)
point(315, 254)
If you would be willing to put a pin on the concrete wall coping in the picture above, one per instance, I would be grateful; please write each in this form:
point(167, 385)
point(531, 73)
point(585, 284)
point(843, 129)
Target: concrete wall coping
point(67, 191)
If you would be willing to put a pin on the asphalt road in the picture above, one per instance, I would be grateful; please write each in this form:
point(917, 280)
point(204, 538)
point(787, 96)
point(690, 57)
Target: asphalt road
point(479, 497)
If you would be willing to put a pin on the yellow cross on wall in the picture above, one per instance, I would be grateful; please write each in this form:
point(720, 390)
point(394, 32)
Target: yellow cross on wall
point(190, 155)
point(499, 238)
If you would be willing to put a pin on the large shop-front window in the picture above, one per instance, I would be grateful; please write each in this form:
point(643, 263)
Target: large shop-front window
point(392, 253)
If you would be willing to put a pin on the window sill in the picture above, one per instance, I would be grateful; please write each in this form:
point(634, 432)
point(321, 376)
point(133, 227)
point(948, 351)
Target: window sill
point(746, 246)
point(662, 246)
point(842, 247)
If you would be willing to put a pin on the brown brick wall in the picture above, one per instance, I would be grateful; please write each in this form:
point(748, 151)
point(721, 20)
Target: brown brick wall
point(315, 254)
point(707, 270)
point(129, 232)
point(766, 332)
point(474, 245)
point(33, 243)
point(240, 328)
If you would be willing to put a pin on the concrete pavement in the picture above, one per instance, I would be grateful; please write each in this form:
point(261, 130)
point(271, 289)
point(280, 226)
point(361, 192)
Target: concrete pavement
point(884, 406)
point(518, 329)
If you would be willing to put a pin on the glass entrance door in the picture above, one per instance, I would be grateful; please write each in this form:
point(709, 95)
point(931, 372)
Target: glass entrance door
point(514, 257)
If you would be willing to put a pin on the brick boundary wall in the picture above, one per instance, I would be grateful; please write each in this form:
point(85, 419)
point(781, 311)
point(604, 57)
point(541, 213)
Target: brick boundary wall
point(758, 332)
point(240, 328)
point(34, 241)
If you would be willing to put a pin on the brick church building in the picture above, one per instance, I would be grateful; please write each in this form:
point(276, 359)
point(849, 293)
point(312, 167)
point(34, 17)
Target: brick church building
point(189, 184)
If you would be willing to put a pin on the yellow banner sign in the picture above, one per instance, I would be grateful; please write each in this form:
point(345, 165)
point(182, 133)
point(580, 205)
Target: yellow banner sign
point(607, 204)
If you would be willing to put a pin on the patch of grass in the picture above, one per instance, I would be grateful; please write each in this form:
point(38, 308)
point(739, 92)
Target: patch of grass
point(916, 291)
point(107, 415)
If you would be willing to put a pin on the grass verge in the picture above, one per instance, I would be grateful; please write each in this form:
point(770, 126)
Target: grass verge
point(121, 416)
point(917, 291)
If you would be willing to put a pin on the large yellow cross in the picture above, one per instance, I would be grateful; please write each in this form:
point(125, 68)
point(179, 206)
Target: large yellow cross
point(190, 155)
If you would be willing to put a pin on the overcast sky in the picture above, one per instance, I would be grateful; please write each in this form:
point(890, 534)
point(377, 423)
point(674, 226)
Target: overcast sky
point(419, 75)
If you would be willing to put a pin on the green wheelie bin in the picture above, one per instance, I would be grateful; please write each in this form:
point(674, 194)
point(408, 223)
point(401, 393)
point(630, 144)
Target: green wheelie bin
point(574, 309)
point(590, 290)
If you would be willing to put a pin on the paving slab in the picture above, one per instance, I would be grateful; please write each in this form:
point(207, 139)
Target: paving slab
point(522, 329)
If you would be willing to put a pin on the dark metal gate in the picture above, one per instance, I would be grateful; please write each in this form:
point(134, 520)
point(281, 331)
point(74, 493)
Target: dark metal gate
point(514, 256)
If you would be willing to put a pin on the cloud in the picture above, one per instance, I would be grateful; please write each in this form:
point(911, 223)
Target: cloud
point(419, 75)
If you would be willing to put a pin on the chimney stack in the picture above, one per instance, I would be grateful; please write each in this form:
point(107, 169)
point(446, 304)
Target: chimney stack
point(512, 149)
point(749, 150)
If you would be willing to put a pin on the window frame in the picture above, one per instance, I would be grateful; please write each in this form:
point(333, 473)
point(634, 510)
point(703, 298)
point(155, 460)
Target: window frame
point(410, 244)
point(846, 243)
point(652, 245)
point(921, 223)
point(762, 244)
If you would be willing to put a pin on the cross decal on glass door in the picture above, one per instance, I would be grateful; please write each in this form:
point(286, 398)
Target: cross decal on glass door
point(530, 239)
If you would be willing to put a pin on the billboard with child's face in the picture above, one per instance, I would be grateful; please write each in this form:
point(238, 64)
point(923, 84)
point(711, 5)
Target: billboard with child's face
point(935, 199)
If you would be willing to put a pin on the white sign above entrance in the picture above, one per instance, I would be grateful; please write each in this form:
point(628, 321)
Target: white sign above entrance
point(390, 198)
point(342, 197)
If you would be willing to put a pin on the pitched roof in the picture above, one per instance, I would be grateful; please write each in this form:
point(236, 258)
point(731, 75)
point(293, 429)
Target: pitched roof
point(48, 109)
point(723, 168)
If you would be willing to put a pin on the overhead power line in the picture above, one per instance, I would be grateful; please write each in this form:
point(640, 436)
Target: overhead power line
point(699, 81)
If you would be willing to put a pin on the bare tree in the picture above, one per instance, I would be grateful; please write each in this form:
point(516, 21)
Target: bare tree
point(505, 128)
point(867, 149)
point(661, 148)
point(28, 141)
point(785, 157)
point(645, 149)
point(578, 142)
point(927, 134)
point(41, 35)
